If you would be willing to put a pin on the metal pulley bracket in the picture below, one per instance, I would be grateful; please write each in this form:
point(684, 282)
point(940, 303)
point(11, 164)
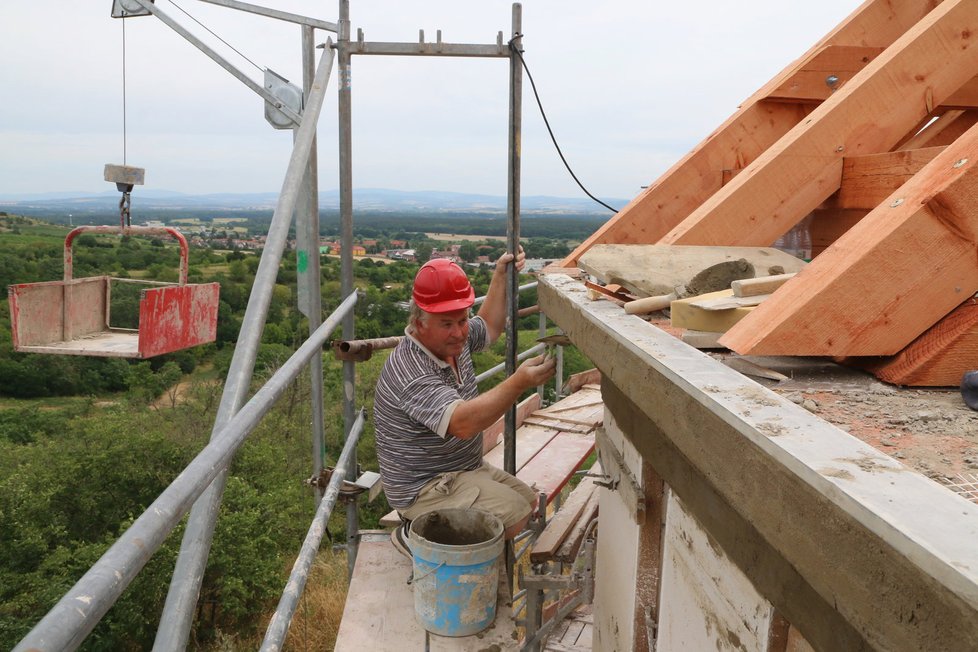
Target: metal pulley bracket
point(127, 8)
point(288, 95)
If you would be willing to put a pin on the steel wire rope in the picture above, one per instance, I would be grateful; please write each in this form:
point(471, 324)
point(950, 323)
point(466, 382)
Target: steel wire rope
point(215, 35)
point(123, 90)
point(516, 50)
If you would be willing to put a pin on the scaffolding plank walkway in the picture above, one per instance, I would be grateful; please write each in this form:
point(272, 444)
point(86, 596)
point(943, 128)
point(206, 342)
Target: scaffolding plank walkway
point(379, 613)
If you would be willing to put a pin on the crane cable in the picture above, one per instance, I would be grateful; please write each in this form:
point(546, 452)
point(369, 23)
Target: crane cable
point(519, 54)
point(125, 215)
point(214, 34)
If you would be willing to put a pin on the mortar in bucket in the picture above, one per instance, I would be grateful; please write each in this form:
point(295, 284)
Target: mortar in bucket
point(456, 570)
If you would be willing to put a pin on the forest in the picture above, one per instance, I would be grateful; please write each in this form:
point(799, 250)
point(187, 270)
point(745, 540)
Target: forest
point(87, 443)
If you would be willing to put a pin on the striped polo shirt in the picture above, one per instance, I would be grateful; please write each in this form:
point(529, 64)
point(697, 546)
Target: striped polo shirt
point(413, 403)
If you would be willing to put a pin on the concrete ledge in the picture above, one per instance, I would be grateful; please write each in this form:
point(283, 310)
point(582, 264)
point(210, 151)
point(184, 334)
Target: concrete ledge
point(888, 549)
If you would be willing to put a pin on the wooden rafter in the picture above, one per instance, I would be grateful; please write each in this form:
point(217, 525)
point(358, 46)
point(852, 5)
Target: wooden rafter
point(888, 279)
point(742, 138)
point(873, 112)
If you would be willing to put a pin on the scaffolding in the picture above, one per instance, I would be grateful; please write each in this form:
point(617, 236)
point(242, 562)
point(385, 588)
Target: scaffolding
point(198, 490)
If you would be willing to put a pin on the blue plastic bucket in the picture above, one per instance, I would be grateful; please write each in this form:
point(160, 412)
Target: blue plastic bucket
point(456, 570)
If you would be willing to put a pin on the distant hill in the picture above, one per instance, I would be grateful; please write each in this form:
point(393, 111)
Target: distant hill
point(368, 199)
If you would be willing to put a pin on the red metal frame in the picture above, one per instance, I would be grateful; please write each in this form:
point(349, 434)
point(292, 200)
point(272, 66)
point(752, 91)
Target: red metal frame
point(71, 316)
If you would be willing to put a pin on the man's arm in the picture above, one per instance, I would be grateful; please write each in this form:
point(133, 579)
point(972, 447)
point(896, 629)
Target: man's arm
point(475, 415)
point(493, 309)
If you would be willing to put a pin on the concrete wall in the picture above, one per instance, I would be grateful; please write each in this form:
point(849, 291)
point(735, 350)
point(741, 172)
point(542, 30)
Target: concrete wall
point(851, 548)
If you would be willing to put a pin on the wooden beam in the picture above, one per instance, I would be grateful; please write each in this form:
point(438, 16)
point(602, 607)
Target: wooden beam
point(939, 357)
point(868, 180)
point(829, 224)
point(739, 140)
point(888, 279)
point(941, 130)
point(824, 73)
point(870, 114)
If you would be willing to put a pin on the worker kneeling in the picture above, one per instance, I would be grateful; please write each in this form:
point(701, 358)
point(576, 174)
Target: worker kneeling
point(428, 412)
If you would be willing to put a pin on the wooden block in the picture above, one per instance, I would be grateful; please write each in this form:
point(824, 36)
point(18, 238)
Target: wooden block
point(686, 315)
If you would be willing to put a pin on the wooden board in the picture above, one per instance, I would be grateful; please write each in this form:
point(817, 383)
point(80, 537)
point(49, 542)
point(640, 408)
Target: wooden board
point(492, 434)
point(546, 545)
point(550, 469)
point(379, 611)
point(530, 440)
point(685, 314)
point(650, 270)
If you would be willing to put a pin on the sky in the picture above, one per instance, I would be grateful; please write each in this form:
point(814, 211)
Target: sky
point(629, 86)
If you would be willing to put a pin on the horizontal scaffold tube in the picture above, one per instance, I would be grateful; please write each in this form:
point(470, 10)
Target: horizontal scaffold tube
point(77, 613)
point(278, 627)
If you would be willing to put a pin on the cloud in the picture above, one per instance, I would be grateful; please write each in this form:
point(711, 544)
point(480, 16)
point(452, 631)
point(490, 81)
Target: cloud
point(628, 88)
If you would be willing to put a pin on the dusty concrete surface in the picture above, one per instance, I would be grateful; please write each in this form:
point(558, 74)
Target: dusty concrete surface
point(929, 430)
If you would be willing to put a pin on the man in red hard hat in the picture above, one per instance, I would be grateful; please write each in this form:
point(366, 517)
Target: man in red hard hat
point(428, 412)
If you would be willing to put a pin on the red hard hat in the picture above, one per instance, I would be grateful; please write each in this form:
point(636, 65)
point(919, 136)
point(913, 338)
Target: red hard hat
point(441, 286)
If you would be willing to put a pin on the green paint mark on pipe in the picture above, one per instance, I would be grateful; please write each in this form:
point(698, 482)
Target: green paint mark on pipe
point(302, 261)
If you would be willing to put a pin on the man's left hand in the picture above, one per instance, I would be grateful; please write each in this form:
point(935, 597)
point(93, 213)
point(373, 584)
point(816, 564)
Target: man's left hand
point(506, 258)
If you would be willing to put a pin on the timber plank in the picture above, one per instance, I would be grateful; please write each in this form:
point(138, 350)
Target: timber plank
point(530, 440)
point(550, 469)
point(492, 434)
point(809, 82)
point(894, 92)
point(571, 545)
point(546, 545)
point(868, 180)
point(379, 610)
point(888, 279)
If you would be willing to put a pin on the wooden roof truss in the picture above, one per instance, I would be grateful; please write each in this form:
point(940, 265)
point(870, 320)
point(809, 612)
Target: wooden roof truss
point(869, 139)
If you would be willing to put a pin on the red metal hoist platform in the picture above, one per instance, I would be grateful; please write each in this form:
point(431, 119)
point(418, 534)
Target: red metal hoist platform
point(73, 316)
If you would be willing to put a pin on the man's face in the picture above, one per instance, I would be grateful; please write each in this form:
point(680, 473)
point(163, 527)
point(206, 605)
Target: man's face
point(444, 334)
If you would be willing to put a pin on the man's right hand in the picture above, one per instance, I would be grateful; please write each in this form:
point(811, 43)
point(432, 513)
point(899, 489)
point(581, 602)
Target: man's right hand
point(537, 371)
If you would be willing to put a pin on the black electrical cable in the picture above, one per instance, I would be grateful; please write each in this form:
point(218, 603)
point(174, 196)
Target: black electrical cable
point(516, 50)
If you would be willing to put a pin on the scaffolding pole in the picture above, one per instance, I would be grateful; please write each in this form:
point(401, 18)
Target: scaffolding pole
point(188, 574)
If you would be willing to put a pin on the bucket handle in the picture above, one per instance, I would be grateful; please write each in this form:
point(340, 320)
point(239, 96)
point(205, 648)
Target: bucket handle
point(413, 579)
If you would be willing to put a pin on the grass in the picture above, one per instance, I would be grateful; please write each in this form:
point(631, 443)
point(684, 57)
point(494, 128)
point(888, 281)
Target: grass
point(316, 621)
